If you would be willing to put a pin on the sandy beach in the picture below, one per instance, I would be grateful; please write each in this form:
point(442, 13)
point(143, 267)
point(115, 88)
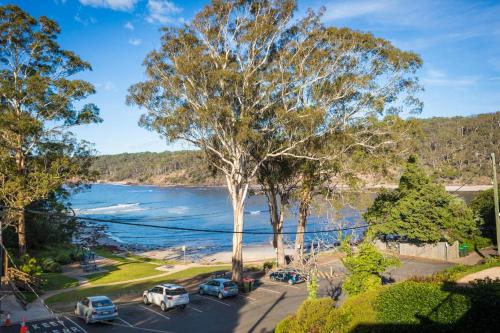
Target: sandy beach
point(251, 253)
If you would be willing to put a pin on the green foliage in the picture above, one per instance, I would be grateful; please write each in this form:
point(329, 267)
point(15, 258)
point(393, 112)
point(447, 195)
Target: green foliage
point(457, 149)
point(314, 316)
point(50, 265)
point(312, 286)
point(30, 265)
point(175, 168)
point(415, 303)
point(365, 267)
point(420, 210)
point(40, 104)
point(484, 206)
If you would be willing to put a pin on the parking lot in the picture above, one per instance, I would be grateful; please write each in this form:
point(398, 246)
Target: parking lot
point(257, 311)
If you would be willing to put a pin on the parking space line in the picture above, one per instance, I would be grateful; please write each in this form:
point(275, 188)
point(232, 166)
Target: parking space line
point(250, 298)
point(81, 328)
point(142, 329)
point(195, 309)
point(270, 290)
point(282, 285)
point(159, 314)
point(214, 300)
point(126, 322)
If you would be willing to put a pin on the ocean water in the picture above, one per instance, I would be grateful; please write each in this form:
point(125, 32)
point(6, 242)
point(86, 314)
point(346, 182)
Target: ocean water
point(199, 207)
point(206, 208)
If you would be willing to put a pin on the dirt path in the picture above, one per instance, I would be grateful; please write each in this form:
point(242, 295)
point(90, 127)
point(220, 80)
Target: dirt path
point(492, 273)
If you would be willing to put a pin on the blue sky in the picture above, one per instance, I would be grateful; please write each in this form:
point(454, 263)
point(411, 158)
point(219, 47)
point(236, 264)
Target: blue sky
point(458, 40)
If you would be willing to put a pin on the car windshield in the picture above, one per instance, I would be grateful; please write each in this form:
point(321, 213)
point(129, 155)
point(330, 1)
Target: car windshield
point(229, 284)
point(178, 291)
point(101, 303)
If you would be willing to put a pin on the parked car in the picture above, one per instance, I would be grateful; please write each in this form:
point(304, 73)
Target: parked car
point(96, 308)
point(290, 276)
point(167, 296)
point(219, 287)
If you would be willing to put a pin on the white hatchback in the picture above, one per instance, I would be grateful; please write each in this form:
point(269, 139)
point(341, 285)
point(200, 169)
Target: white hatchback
point(167, 296)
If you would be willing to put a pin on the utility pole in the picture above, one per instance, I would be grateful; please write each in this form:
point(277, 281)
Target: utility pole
point(1, 265)
point(495, 198)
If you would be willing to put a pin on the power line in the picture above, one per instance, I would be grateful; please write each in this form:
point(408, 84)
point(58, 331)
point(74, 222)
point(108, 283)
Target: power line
point(219, 231)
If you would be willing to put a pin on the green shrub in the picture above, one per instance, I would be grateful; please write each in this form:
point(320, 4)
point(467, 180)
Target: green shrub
point(365, 267)
point(413, 302)
point(268, 265)
point(49, 265)
point(30, 266)
point(63, 258)
point(360, 282)
point(314, 316)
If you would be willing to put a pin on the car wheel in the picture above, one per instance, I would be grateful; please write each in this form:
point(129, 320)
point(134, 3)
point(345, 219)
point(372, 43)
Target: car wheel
point(163, 306)
point(220, 296)
point(182, 307)
point(201, 292)
point(146, 301)
point(290, 282)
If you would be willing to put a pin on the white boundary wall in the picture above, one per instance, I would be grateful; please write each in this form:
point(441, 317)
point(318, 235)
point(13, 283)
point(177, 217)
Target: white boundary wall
point(439, 251)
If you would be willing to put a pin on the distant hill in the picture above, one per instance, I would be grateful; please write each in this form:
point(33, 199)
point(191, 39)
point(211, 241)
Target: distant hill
point(458, 149)
point(455, 150)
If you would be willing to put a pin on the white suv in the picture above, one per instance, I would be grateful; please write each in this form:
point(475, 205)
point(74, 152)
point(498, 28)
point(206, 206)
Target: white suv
point(167, 296)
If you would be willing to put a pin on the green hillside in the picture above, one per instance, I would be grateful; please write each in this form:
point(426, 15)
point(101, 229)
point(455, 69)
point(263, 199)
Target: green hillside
point(455, 150)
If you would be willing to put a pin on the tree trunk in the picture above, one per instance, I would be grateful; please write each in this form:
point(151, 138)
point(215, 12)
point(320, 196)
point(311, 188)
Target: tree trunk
point(273, 214)
point(305, 200)
point(280, 247)
point(21, 223)
point(21, 233)
point(237, 258)
point(238, 191)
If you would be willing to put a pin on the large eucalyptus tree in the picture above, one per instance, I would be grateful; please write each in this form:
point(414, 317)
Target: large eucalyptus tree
point(245, 82)
point(38, 152)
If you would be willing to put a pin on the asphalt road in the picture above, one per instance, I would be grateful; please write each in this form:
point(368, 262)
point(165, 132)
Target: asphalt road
point(256, 312)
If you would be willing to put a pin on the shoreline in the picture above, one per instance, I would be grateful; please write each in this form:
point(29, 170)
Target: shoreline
point(369, 188)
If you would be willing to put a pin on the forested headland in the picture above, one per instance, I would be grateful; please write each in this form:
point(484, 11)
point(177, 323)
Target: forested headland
point(454, 150)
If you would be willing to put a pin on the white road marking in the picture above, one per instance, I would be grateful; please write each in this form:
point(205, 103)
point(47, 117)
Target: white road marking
point(281, 285)
point(250, 298)
point(214, 300)
point(159, 314)
point(141, 329)
point(195, 309)
point(126, 322)
point(270, 290)
point(84, 331)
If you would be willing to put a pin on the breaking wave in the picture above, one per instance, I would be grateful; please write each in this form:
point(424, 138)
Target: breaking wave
point(114, 209)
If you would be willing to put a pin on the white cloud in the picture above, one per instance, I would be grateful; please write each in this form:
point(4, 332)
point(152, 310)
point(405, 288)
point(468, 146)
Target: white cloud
point(129, 26)
point(113, 4)
point(84, 20)
point(162, 11)
point(135, 41)
point(435, 77)
point(106, 86)
point(349, 9)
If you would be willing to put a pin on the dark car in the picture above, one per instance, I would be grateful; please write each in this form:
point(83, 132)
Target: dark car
point(289, 276)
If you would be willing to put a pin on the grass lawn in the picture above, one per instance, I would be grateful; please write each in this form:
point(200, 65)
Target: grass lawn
point(134, 287)
point(126, 268)
point(123, 270)
point(56, 281)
